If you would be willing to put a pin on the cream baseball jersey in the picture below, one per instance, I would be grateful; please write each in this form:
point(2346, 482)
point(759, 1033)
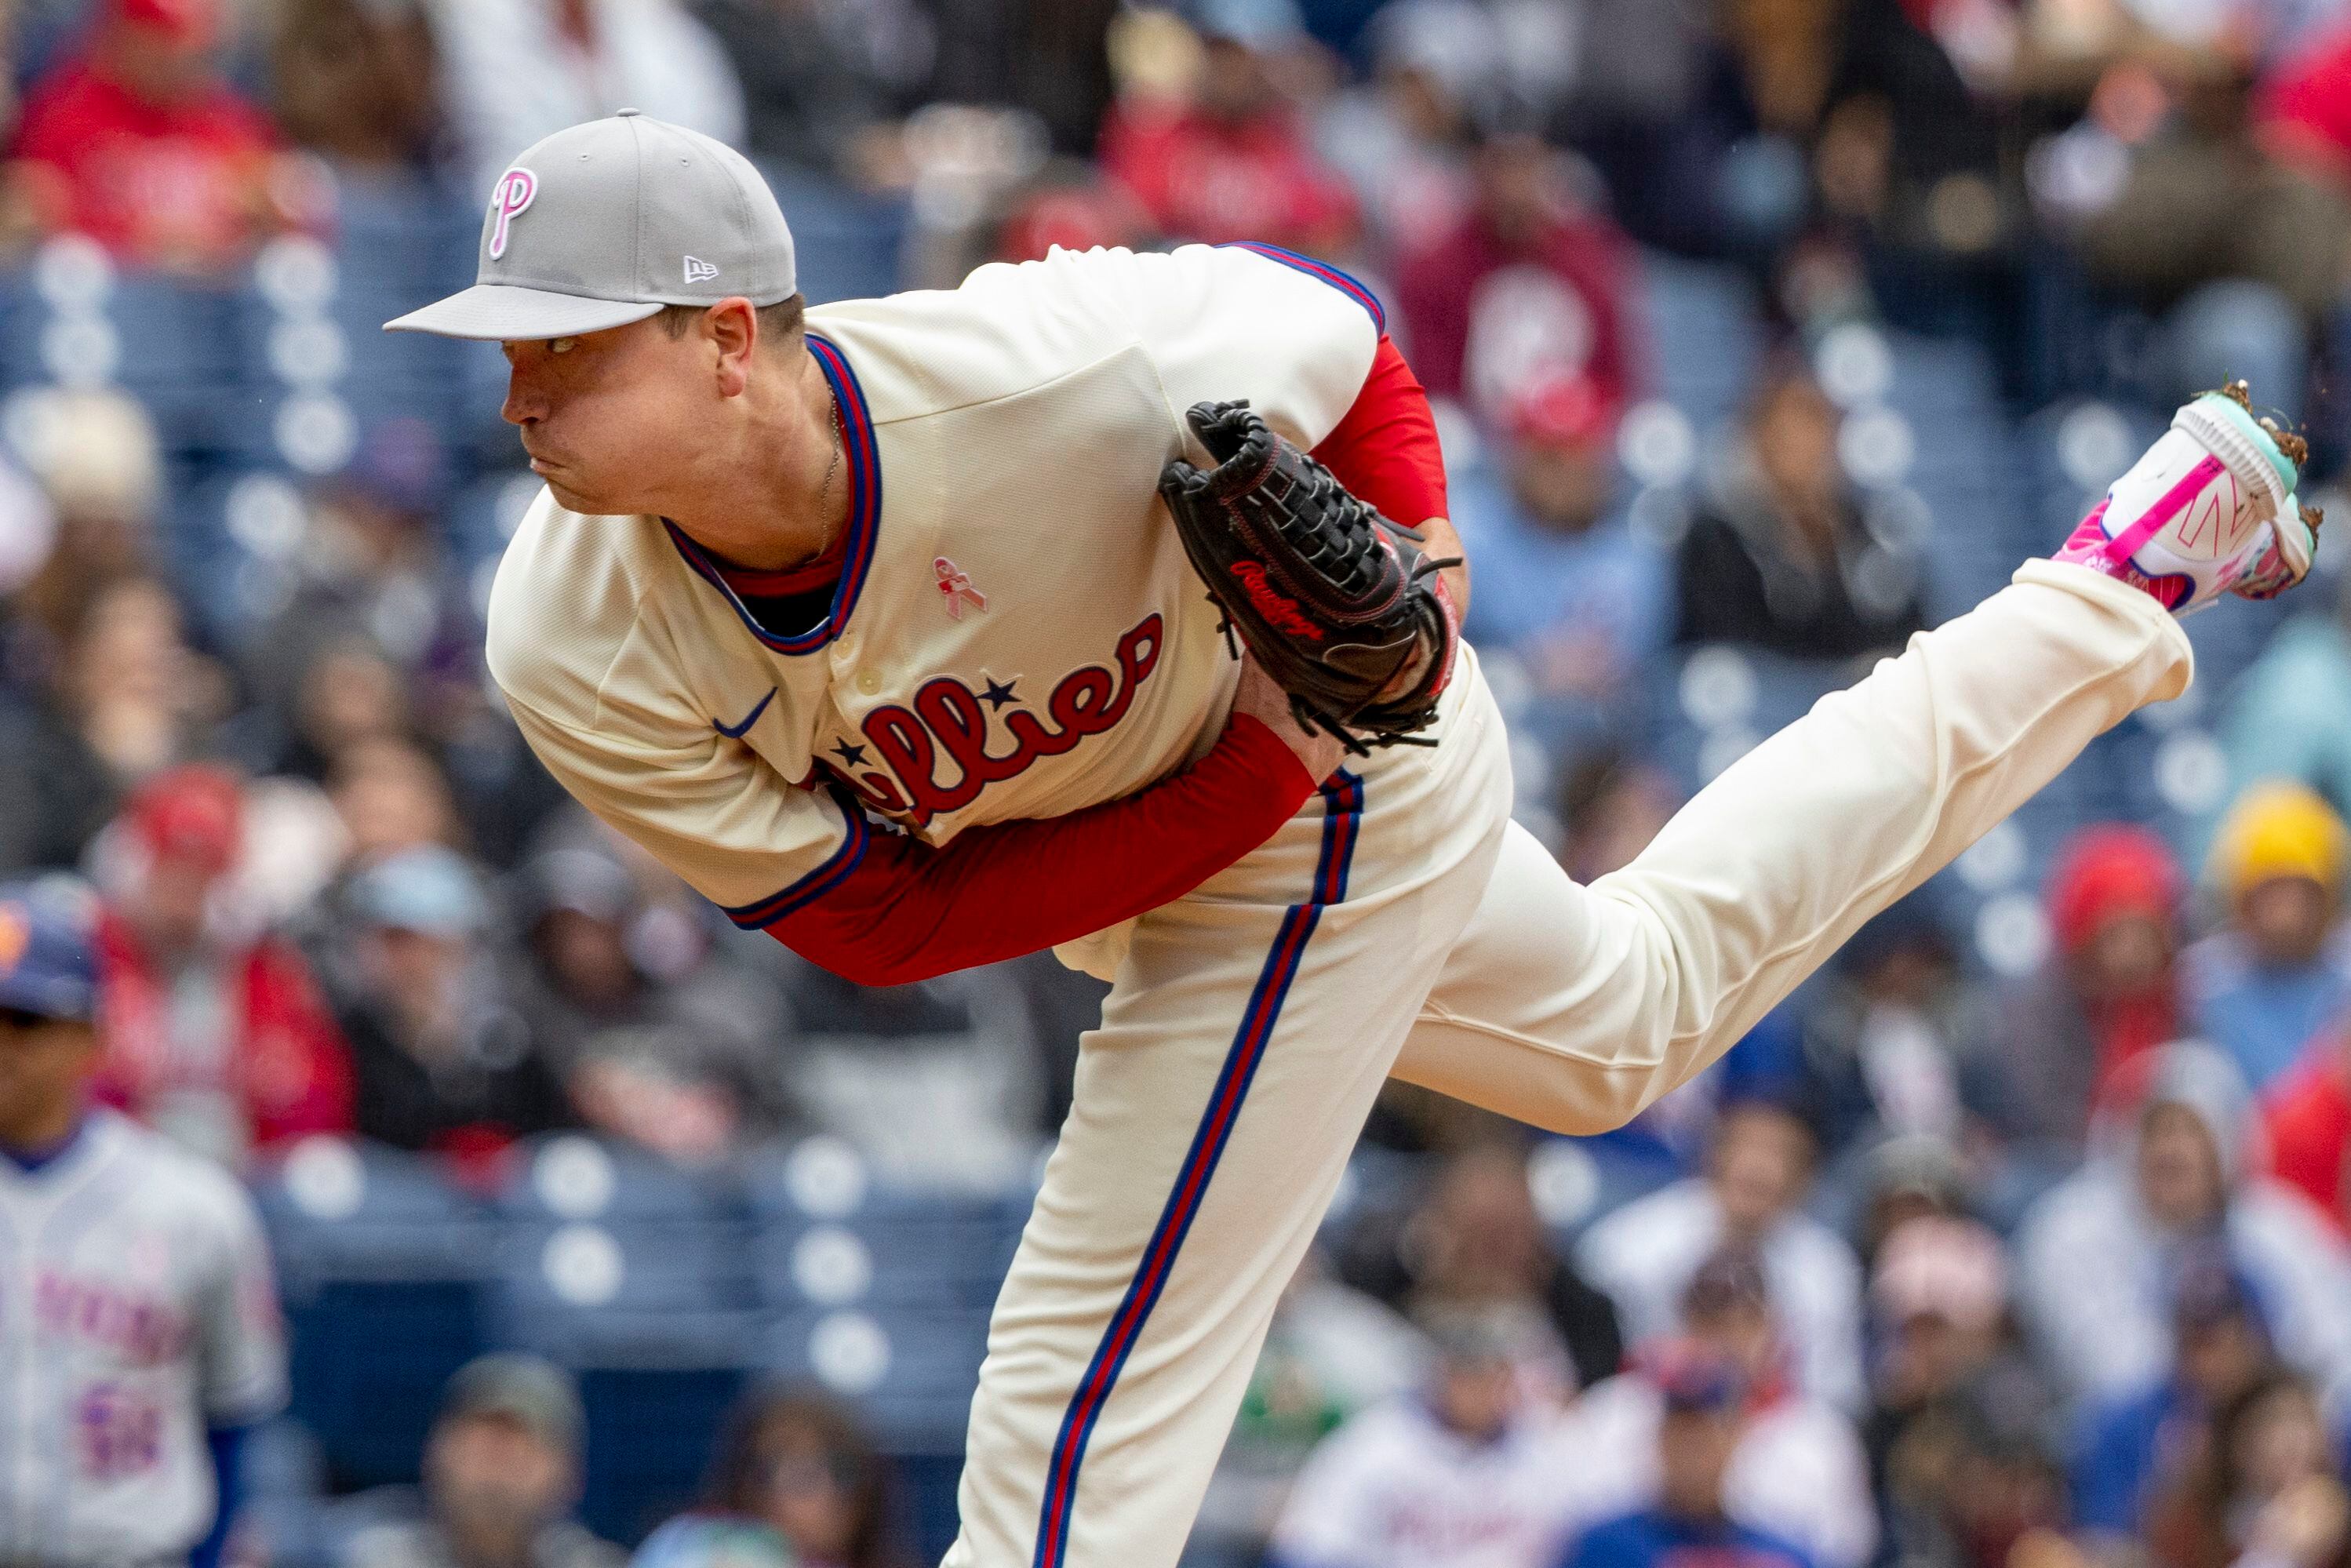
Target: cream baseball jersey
point(136, 1308)
point(1016, 633)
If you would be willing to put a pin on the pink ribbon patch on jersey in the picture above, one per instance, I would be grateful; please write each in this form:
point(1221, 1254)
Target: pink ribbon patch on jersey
point(518, 188)
point(956, 583)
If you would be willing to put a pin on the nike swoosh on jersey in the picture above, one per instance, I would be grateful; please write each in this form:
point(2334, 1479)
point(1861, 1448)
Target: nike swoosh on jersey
point(736, 731)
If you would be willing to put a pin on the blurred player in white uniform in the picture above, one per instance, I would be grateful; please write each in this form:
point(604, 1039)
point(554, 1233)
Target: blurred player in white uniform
point(872, 624)
point(138, 1328)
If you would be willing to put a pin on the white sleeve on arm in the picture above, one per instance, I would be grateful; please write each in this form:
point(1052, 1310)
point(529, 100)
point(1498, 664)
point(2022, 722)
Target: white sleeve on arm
point(1293, 336)
point(240, 1337)
point(709, 809)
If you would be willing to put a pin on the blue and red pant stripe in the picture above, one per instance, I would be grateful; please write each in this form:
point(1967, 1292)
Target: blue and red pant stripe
point(1343, 802)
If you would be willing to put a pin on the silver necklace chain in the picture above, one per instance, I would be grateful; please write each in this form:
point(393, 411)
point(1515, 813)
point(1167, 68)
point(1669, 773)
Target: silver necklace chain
point(824, 490)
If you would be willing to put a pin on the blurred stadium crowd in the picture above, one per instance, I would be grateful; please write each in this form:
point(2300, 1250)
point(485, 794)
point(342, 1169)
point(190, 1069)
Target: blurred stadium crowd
point(1764, 332)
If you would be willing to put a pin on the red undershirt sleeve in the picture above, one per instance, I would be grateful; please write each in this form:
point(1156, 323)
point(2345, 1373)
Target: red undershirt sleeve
point(909, 911)
point(1386, 450)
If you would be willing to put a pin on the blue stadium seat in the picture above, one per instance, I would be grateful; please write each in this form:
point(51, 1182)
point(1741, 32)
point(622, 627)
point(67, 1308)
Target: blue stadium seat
point(285, 1479)
point(370, 1358)
point(911, 1371)
point(399, 229)
point(23, 317)
point(1708, 340)
point(480, 518)
point(379, 1265)
point(181, 356)
point(826, 1237)
point(582, 1267)
point(651, 1430)
point(845, 243)
point(903, 1261)
point(2069, 452)
point(1935, 376)
point(1708, 703)
point(337, 1209)
point(574, 1176)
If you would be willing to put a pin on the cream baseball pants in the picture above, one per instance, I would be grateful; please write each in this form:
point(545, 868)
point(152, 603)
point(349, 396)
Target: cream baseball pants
point(1401, 926)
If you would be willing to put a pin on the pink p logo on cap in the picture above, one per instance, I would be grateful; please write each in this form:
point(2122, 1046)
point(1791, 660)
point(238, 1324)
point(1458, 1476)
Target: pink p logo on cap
point(517, 188)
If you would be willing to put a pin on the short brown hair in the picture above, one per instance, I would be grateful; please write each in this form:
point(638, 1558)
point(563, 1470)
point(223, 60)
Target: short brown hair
point(778, 322)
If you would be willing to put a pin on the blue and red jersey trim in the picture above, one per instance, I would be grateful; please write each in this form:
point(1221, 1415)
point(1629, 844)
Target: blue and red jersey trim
point(817, 884)
point(1349, 287)
point(1342, 800)
point(864, 466)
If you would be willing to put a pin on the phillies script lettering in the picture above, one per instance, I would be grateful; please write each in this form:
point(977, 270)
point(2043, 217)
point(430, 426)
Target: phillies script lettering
point(947, 716)
point(1282, 612)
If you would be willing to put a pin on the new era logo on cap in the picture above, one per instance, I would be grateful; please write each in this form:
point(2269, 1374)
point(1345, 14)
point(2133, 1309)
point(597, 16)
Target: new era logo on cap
point(698, 270)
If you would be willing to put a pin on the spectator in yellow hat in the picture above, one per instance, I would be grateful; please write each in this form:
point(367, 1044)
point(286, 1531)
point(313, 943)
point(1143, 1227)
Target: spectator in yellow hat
point(2276, 975)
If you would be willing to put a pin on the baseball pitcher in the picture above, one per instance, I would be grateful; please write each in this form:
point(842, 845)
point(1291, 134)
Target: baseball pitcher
point(890, 627)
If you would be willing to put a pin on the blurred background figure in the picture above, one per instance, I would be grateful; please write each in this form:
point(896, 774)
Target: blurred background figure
point(1796, 1469)
point(1332, 1353)
point(2306, 1119)
point(2230, 290)
point(1458, 1477)
point(1531, 283)
point(2269, 1487)
point(137, 696)
point(2138, 1447)
point(1404, 140)
point(1228, 158)
point(97, 457)
point(444, 1057)
point(148, 1344)
point(1475, 1243)
point(2107, 993)
point(1958, 1432)
point(502, 1474)
point(1895, 1034)
point(2167, 1179)
point(356, 81)
point(654, 1042)
point(516, 70)
point(801, 1463)
point(2263, 986)
point(1612, 804)
point(1576, 594)
point(823, 83)
point(139, 143)
point(217, 1033)
point(1778, 557)
point(1644, 1255)
point(1698, 1433)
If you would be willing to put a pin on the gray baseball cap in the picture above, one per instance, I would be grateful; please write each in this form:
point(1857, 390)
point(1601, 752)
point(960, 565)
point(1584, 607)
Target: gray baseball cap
point(538, 1395)
point(603, 223)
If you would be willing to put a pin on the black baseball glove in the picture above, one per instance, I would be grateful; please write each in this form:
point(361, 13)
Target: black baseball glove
point(1331, 596)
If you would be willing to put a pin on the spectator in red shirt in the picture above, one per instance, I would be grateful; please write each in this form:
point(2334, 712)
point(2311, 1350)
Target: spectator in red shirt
point(1528, 286)
point(216, 1033)
point(137, 142)
point(2307, 1120)
point(1234, 162)
point(2304, 110)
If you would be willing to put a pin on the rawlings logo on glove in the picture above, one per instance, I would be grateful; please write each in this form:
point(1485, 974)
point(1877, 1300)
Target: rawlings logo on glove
point(1282, 611)
point(1331, 597)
